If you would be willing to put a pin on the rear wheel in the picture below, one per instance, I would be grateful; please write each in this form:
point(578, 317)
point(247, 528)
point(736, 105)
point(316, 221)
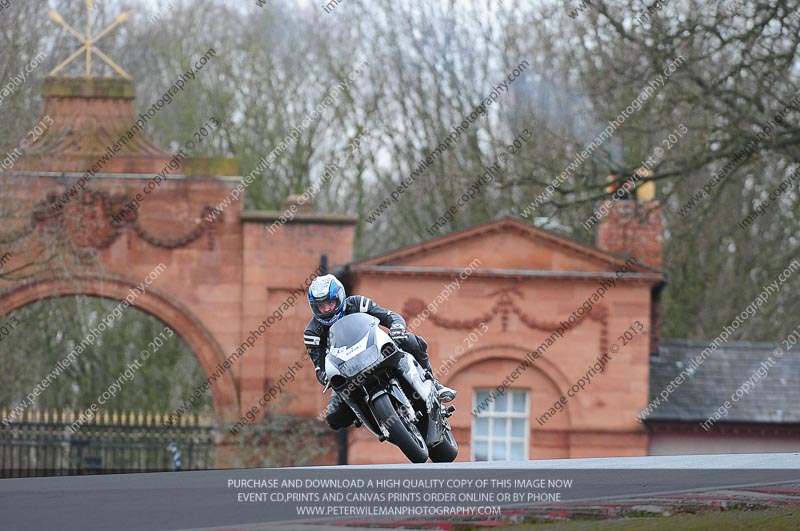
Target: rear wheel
point(446, 451)
point(402, 433)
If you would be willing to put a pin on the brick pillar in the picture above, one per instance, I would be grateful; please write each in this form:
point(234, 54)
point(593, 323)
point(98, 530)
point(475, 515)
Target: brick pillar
point(634, 228)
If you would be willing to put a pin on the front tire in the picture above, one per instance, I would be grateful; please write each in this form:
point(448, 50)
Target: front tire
point(446, 451)
point(411, 444)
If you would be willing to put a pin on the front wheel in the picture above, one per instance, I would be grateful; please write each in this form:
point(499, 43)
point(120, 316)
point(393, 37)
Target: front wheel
point(446, 451)
point(405, 437)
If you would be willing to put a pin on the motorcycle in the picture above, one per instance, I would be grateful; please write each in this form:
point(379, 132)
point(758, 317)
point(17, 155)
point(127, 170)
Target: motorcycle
point(388, 390)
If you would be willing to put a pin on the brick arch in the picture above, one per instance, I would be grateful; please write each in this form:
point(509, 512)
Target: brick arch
point(503, 353)
point(547, 368)
point(200, 341)
point(549, 441)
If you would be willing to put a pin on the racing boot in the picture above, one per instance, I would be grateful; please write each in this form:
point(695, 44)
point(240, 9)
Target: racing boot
point(445, 394)
point(418, 348)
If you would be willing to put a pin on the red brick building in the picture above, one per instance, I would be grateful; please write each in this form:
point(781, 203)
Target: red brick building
point(563, 329)
point(529, 284)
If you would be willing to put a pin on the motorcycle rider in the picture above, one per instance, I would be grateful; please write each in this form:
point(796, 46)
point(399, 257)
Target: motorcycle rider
point(328, 302)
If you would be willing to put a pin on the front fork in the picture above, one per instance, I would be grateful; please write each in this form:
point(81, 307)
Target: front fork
point(407, 412)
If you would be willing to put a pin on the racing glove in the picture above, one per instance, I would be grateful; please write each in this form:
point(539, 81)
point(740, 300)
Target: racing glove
point(398, 332)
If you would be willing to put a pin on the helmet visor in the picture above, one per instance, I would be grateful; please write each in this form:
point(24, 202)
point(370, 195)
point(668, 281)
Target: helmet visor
point(325, 308)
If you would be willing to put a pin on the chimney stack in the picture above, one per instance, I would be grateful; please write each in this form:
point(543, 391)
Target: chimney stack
point(635, 227)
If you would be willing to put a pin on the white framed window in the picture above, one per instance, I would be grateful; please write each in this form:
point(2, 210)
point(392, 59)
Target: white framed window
point(500, 431)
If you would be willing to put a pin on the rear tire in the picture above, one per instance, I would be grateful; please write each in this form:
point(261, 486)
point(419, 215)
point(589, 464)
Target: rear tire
point(412, 445)
point(446, 451)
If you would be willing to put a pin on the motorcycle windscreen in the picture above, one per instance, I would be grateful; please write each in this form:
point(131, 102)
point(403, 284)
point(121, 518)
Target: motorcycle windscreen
point(352, 343)
point(351, 329)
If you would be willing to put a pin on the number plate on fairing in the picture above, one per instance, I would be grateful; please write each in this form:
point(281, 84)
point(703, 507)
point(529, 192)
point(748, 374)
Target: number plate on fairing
point(345, 353)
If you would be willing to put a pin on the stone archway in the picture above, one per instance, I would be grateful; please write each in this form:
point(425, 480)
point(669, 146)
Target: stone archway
point(205, 348)
point(121, 205)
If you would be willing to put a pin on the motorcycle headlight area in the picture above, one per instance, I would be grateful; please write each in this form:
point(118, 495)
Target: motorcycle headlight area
point(366, 359)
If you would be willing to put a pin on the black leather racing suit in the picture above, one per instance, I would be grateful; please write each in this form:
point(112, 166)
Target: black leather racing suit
point(338, 413)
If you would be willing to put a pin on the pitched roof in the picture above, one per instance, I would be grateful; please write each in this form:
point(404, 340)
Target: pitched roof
point(773, 382)
point(403, 256)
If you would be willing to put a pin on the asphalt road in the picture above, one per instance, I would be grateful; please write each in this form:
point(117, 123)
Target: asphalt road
point(271, 498)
